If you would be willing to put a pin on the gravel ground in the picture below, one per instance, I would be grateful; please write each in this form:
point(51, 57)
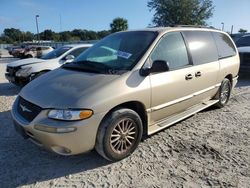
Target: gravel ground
point(209, 149)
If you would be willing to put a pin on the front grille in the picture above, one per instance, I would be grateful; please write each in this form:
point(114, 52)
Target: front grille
point(27, 110)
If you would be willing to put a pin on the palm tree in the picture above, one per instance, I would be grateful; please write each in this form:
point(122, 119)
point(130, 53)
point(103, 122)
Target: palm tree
point(119, 24)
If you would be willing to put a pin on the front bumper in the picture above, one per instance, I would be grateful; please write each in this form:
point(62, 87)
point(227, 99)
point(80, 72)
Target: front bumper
point(20, 81)
point(235, 81)
point(80, 141)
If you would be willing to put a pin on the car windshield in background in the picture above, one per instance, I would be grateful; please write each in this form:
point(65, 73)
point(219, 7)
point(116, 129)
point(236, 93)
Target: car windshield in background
point(56, 53)
point(114, 54)
point(243, 41)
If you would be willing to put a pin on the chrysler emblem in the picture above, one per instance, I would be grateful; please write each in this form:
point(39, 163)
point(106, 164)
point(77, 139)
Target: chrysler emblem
point(24, 108)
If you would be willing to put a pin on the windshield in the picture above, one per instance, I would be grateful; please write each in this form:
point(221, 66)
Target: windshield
point(56, 53)
point(243, 41)
point(116, 53)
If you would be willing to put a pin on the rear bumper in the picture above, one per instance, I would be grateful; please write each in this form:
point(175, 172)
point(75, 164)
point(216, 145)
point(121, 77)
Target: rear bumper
point(70, 143)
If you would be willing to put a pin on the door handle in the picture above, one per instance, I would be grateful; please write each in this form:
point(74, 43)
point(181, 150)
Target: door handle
point(188, 76)
point(198, 74)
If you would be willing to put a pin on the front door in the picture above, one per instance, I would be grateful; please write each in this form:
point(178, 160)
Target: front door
point(171, 90)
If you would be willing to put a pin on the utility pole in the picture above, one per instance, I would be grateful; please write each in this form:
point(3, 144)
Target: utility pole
point(60, 23)
point(37, 28)
point(222, 23)
point(232, 28)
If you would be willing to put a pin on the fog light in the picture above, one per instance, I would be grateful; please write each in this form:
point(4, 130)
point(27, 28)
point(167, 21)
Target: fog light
point(54, 129)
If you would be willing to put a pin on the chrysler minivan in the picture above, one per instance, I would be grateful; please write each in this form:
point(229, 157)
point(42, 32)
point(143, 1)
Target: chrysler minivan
point(128, 85)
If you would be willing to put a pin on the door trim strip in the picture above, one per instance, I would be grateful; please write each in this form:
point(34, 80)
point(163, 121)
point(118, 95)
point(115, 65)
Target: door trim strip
point(161, 106)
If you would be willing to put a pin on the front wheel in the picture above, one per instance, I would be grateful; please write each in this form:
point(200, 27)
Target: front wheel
point(224, 93)
point(119, 134)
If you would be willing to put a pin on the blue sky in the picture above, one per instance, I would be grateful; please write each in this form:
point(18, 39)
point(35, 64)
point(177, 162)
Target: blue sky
point(97, 14)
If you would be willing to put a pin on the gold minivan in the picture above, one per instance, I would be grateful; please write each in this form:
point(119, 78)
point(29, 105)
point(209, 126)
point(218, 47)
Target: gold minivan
point(127, 85)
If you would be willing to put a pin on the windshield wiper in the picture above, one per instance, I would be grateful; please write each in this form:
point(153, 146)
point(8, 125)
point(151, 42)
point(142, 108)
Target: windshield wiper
point(93, 64)
point(75, 66)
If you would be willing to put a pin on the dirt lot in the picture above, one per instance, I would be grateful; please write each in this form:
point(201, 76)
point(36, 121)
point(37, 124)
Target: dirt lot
point(210, 149)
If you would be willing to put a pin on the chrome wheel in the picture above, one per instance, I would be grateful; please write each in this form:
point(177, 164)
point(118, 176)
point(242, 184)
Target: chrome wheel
point(123, 135)
point(225, 93)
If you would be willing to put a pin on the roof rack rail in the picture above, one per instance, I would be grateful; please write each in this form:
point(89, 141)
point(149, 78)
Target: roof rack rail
point(195, 26)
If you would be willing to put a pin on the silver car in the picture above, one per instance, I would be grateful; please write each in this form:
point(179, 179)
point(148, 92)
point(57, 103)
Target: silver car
point(128, 85)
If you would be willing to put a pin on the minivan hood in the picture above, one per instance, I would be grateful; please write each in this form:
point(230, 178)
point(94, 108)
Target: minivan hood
point(63, 88)
point(25, 62)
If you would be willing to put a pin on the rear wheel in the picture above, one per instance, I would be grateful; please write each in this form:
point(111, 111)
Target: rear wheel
point(224, 93)
point(119, 134)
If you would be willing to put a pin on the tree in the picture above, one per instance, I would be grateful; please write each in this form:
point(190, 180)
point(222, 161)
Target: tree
point(119, 24)
point(47, 34)
point(181, 12)
point(65, 36)
point(102, 34)
point(242, 31)
point(28, 36)
point(13, 34)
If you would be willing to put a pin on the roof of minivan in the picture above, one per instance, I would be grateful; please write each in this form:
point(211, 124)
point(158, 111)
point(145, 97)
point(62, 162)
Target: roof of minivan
point(165, 29)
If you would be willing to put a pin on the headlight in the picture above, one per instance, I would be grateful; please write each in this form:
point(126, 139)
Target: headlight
point(23, 72)
point(70, 115)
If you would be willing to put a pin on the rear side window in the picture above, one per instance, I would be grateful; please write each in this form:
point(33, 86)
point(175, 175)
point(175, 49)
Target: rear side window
point(77, 51)
point(202, 47)
point(224, 45)
point(171, 49)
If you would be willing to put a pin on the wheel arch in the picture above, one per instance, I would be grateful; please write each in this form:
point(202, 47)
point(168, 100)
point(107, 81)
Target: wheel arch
point(136, 106)
point(230, 78)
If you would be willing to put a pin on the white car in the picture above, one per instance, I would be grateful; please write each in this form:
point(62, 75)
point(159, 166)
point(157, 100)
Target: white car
point(23, 71)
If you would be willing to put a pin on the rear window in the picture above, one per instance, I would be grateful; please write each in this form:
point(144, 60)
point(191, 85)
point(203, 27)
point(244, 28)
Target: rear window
point(78, 51)
point(224, 44)
point(243, 41)
point(56, 53)
point(202, 47)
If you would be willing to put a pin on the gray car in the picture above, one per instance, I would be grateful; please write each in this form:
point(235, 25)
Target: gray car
point(127, 85)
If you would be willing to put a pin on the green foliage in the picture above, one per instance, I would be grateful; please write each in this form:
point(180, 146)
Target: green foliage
point(12, 35)
point(181, 12)
point(65, 36)
point(242, 31)
point(102, 34)
point(47, 34)
point(16, 36)
point(28, 36)
point(119, 24)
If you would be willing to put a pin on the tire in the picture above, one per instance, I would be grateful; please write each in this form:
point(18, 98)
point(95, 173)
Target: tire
point(119, 134)
point(224, 93)
point(29, 56)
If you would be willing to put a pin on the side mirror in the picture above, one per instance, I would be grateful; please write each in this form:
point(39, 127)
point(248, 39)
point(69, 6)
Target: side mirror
point(69, 57)
point(157, 67)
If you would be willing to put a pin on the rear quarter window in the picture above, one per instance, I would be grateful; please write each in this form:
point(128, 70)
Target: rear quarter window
point(201, 46)
point(224, 44)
